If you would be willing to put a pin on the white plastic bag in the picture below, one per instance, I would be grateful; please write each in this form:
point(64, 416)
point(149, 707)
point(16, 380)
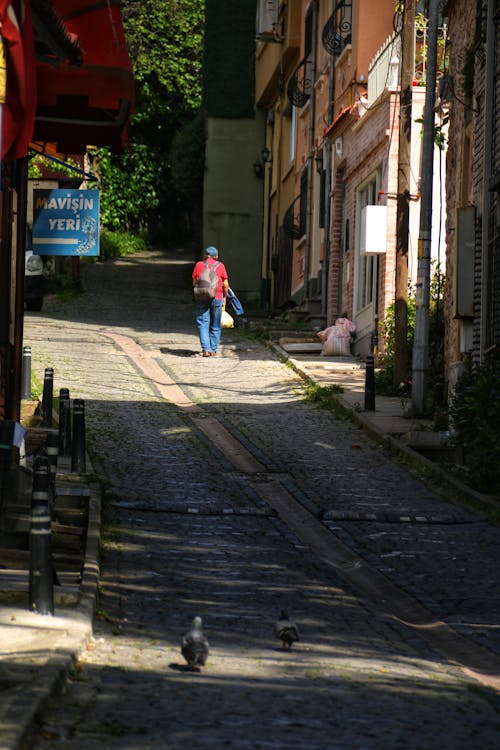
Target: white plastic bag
point(337, 338)
point(226, 320)
point(337, 345)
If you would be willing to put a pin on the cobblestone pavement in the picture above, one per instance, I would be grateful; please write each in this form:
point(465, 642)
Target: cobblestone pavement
point(186, 534)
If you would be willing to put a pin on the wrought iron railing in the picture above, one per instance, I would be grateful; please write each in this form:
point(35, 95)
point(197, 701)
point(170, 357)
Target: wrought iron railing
point(300, 84)
point(336, 34)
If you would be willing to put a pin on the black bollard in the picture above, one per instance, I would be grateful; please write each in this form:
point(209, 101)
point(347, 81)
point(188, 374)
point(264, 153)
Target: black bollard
point(47, 397)
point(370, 383)
point(78, 462)
point(52, 451)
point(41, 579)
point(64, 423)
point(7, 427)
point(26, 374)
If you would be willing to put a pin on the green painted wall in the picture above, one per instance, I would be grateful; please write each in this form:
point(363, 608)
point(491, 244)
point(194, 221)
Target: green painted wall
point(228, 59)
point(232, 195)
point(232, 201)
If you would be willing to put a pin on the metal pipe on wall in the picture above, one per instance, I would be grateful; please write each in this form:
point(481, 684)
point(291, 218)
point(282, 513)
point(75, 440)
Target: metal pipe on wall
point(310, 151)
point(328, 186)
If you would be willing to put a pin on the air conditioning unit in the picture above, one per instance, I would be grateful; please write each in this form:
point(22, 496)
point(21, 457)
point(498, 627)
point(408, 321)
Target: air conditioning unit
point(267, 20)
point(373, 234)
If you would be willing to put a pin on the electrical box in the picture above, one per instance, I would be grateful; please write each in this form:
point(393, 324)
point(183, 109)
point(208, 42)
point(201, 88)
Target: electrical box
point(373, 235)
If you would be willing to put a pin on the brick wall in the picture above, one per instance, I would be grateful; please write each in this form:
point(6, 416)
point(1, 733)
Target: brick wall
point(365, 152)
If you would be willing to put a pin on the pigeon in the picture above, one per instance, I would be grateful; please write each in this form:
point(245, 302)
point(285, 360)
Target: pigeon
point(194, 646)
point(286, 631)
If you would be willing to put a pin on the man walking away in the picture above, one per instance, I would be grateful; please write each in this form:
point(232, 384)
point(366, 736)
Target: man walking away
point(210, 285)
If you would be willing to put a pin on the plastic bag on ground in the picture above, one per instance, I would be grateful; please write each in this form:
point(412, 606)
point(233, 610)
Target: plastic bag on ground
point(337, 338)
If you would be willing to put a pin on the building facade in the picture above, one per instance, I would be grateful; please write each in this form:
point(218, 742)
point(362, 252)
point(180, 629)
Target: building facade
point(473, 184)
point(327, 82)
point(232, 195)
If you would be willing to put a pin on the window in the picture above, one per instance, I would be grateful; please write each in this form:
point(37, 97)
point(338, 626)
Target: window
point(366, 287)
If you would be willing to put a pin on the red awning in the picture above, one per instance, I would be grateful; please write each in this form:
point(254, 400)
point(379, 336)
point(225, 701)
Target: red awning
point(88, 104)
point(18, 97)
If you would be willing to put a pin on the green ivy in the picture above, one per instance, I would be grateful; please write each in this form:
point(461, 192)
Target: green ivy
point(39, 166)
point(475, 416)
point(384, 377)
point(127, 183)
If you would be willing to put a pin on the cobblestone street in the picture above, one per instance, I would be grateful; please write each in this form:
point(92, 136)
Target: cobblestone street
point(196, 457)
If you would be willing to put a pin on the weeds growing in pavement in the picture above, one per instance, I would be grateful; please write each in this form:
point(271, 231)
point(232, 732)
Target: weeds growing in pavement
point(323, 395)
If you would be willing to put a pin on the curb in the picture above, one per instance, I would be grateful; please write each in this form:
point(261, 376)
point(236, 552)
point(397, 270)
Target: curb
point(69, 633)
point(456, 491)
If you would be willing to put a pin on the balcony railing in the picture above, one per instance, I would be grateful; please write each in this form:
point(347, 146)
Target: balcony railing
point(300, 84)
point(336, 34)
point(380, 74)
point(383, 71)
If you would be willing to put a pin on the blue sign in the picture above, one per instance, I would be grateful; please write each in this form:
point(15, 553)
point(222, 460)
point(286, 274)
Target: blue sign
point(65, 222)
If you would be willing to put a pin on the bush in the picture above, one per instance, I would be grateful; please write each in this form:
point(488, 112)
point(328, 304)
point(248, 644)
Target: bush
point(384, 378)
point(475, 417)
point(119, 244)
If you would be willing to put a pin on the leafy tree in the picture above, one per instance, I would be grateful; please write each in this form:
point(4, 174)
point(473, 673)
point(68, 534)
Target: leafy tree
point(128, 186)
point(165, 42)
point(188, 156)
point(475, 415)
point(39, 166)
point(385, 376)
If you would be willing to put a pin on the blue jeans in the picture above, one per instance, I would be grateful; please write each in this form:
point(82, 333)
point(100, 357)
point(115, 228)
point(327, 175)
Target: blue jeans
point(208, 320)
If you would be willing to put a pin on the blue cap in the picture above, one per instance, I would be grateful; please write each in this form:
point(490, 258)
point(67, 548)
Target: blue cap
point(212, 252)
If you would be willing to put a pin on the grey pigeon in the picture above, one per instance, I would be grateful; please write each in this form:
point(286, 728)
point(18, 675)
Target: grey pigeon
point(286, 631)
point(194, 645)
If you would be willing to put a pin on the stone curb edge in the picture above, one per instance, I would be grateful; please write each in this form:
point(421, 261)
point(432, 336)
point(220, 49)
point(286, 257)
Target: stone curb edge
point(20, 709)
point(462, 494)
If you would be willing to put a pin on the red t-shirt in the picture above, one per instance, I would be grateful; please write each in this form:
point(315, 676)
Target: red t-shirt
point(220, 271)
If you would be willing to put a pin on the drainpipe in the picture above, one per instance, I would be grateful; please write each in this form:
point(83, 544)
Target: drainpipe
point(310, 155)
point(420, 364)
point(489, 98)
point(268, 188)
point(328, 187)
point(326, 256)
point(18, 281)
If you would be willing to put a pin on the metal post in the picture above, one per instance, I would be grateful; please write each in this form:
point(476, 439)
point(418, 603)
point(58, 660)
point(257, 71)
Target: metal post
point(420, 363)
point(41, 579)
point(370, 383)
point(52, 451)
point(47, 397)
point(78, 463)
point(403, 196)
point(7, 427)
point(26, 374)
point(374, 338)
point(64, 423)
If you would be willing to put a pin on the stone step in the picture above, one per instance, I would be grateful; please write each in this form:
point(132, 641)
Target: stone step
point(301, 346)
